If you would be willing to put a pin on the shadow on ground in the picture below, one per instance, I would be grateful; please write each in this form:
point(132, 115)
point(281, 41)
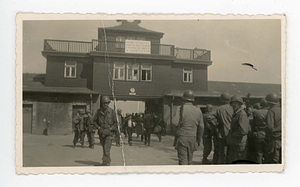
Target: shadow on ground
point(88, 162)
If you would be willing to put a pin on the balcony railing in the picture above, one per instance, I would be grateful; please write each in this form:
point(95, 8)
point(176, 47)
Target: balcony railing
point(119, 47)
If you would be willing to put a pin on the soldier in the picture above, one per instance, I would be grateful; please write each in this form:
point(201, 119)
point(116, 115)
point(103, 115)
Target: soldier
point(120, 125)
point(106, 121)
point(208, 135)
point(148, 125)
point(79, 128)
point(139, 126)
point(90, 129)
point(221, 119)
point(189, 122)
point(259, 131)
point(273, 130)
point(240, 127)
point(158, 128)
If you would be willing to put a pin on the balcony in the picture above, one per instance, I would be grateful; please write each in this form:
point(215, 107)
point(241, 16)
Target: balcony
point(119, 47)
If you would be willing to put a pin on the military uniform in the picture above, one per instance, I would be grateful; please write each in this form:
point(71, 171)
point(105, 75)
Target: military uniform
point(90, 130)
point(237, 138)
point(189, 122)
point(158, 128)
point(221, 118)
point(273, 134)
point(107, 124)
point(79, 130)
point(148, 125)
point(259, 133)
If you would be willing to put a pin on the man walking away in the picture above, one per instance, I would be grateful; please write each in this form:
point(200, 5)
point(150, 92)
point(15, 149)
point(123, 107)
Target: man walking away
point(273, 130)
point(106, 121)
point(79, 127)
point(90, 129)
point(148, 125)
point(259, 131)
point(208, 136)
point(240, 127)
point(129, 125)
point(221, 119)
point(189, 122)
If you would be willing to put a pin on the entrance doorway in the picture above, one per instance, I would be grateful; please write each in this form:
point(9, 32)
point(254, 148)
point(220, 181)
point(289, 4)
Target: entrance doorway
point(27, 118)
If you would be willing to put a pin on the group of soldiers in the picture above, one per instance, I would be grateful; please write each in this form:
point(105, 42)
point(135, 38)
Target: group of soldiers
point(237, 136)
point(111, 125)
point(228, 128)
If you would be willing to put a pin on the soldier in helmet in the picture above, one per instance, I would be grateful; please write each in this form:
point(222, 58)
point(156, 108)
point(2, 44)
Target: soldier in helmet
point(273, 130)
point(106, 121)
point(240, 127)
point(259, 131)
point(90, 128)
point(221, 118)
point(78, 122)
point(189, 122)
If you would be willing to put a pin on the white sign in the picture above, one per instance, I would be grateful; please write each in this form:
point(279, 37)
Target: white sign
point(137, 46)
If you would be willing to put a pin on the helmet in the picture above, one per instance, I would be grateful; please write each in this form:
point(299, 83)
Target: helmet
point(236, 98)
point(119, 111)
point(256, 106)
point(272, 98)
point(209, 107)
point(105, 99)
point(264, 103)
point(225, 97)
point(188, 95)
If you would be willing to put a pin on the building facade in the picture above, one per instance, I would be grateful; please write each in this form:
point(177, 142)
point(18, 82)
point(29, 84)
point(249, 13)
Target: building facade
point(128, 61)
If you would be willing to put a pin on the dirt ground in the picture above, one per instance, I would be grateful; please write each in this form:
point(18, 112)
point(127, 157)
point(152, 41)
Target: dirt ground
point(57, 150)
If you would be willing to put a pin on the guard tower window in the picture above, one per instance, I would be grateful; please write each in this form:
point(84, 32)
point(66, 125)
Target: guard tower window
point(119, 71)
point(188, 75)
point(146, 71)
point(120, 42)
point(70, 69)
point(132, 71)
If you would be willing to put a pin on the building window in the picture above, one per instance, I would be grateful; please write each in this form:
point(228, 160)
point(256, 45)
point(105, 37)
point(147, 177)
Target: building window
point(119, 71)
point(120, 42)
point(70, 69)
point(188, 75)
point(146, 72)
point(132, 71)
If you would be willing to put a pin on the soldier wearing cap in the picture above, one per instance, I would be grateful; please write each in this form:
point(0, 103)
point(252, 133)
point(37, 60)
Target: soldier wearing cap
point(90, 128)
point(209, 137)
point(273, 130)
point(259, 131)
point(221, 118)
point(189, 122)
point(240, 127)
point(78, 122)
point(106, 121)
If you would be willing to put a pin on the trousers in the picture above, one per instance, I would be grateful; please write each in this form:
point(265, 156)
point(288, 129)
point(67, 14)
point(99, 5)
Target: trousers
point(223, 149)
point(79, 137)
point(106, 146)
point(147, 136)
point(260, 150)
point(236, 153)
point(186, 145)
point(91, 135)
point(208, 141)
point(129, 133)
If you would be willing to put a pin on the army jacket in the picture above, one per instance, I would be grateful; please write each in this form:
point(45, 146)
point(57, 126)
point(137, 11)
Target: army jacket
point(240, 127)
point(259, 122)
point(190, 122)
point(78, 121)
point(148, 121)
point(221, 118)
point(273, 120)
point(106, 119)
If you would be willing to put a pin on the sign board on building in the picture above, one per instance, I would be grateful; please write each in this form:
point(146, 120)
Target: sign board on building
point(137, 46)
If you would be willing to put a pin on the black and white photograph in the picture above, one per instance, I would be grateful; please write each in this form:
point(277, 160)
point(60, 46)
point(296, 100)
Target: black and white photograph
point(136, 93)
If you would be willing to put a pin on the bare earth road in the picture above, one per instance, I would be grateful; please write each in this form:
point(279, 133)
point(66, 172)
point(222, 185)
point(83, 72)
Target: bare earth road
point(54, 150)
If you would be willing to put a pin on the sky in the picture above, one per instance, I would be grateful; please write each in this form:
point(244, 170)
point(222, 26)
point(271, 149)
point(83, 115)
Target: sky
point(231, 42)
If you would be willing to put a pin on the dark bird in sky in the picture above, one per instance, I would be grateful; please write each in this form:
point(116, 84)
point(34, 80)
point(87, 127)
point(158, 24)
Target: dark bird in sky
point(248, 64)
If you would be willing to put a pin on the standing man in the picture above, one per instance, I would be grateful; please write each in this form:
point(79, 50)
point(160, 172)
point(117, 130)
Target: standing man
point(78, 121)
point(158, 127)
point(273, 130)
point(106, 120)
point(221, 119)
point(240, 127)
point(148, 125)
point(259, 131)
point(120, 125)
point(209, 137)
point(90, 128)
point(129, 125)
point(189, 122)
